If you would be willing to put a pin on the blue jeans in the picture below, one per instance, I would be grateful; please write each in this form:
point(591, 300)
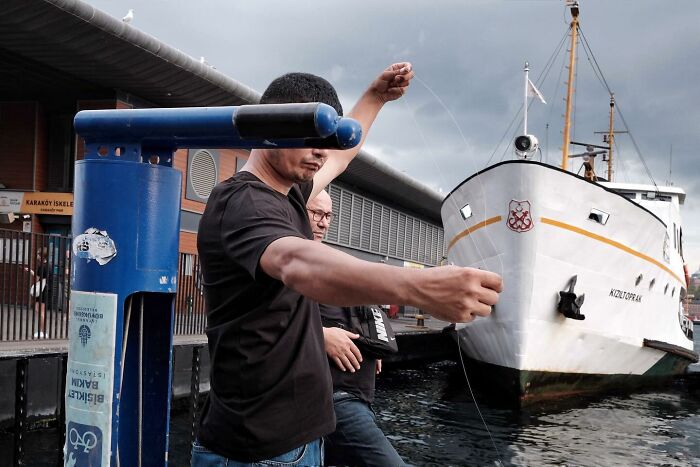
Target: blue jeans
point(357, 440)
point(308, 455)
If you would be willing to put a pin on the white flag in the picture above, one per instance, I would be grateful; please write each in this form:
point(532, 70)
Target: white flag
point(533, 91)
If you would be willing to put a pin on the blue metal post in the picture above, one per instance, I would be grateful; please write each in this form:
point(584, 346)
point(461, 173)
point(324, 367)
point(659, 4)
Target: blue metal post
point(126, 227)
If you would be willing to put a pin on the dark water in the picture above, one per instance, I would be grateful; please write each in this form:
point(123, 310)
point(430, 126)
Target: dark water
point(431, 418)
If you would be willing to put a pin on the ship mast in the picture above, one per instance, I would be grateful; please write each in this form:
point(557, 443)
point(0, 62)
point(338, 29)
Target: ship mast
point(611, 136)
point(570, 84)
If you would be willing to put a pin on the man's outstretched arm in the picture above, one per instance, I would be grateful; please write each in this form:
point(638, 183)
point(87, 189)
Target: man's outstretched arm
point(450, 293)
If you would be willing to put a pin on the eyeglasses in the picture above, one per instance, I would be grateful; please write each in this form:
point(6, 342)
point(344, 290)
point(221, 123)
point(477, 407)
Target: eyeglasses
point(318, 215)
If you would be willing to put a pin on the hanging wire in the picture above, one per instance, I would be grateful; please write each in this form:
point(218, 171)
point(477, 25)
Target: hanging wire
point(619, 110)
point(541, 77)
point(125, 339)
point(556, 89)
point(575, 95)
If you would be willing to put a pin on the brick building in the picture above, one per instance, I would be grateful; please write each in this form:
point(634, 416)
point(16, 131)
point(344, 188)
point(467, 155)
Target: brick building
point(62, 56)
point(58, 57)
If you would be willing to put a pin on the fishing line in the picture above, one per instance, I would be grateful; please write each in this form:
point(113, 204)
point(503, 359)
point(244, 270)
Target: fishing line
point(457, 208)
point(440, 172)
point(478, 410)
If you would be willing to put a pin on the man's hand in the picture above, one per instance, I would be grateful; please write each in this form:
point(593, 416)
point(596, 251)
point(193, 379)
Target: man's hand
point(341, 348)
point(393, 82)
point(378, 367)
point(458, 294)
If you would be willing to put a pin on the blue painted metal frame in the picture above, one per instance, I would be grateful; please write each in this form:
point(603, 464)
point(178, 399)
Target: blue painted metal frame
point(137, 133)
point(126, 187)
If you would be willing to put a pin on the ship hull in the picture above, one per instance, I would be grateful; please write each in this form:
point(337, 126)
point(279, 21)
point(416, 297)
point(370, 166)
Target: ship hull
point(543, 229)
point(520, 387)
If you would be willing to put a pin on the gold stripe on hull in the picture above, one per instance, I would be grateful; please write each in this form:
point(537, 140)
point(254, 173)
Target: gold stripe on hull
point(471, 229)
point(574, 229)
point(607, 241)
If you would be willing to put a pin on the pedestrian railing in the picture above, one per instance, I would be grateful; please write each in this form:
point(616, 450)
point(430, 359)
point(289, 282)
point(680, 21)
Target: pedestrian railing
point(35, 271)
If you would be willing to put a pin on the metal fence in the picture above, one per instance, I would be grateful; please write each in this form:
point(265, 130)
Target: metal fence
point(22, 424)
point(190, 317)
point(35, 271)
point(34, 285)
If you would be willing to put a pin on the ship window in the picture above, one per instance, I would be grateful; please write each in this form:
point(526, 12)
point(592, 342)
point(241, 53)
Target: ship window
point(653, 196)
point(639, 279)
point(665, 289)
point(651, 283)
point(673, 292)
point(675, 237)
point(599, 216)
point(629, 195)
point(466, 212)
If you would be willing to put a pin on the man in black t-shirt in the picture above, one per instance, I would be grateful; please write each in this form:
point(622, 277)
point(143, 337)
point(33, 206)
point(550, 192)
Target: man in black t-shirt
point(357, 440)
point(270, 389)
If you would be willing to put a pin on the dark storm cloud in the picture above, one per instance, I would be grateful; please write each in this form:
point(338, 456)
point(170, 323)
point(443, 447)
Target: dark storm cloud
point(470, 54)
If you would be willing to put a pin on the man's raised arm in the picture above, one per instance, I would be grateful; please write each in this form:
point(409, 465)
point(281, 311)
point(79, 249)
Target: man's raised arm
point(390, 85)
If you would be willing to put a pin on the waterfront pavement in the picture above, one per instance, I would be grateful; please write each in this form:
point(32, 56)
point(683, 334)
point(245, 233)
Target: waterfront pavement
point(403, 325)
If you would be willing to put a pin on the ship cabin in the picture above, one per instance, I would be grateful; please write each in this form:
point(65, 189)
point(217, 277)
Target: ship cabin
point(663, 201)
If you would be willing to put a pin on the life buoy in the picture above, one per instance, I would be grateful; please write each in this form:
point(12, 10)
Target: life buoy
point(687, 276)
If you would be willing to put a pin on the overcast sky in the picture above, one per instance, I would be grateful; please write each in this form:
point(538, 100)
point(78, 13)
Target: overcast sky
point(469, 54)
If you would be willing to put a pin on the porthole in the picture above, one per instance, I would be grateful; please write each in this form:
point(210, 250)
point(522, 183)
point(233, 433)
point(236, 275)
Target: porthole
point(601, 217)
point(466, 212)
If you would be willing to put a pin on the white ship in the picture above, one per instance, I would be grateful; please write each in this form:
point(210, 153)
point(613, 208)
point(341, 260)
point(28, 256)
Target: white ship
point(593, 274)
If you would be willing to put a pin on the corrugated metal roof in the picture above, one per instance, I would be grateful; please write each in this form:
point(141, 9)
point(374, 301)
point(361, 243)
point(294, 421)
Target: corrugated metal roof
point(81, 41)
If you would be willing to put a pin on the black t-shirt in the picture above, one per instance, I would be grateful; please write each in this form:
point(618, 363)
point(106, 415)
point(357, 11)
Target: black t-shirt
point(270, 384)
point(360, 383)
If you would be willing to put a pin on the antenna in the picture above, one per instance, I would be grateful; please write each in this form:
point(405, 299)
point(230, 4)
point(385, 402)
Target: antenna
point(527, 70)
point(670, 166)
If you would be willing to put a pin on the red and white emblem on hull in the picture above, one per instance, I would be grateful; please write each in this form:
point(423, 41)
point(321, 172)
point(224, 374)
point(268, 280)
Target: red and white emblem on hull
point(519, 216)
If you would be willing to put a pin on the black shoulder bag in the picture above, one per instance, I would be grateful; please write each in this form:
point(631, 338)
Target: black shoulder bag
point(377, 339)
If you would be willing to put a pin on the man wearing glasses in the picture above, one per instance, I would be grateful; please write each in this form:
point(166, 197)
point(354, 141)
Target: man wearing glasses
point(320, 214)
point(357, 440)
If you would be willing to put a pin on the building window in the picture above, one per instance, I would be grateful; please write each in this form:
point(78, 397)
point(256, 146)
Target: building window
point(364, 224)
point(202, 173)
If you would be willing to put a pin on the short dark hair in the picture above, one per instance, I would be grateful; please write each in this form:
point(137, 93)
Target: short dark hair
point(301, 87)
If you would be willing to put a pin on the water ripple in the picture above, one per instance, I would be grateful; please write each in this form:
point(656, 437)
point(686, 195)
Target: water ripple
point(431, 419)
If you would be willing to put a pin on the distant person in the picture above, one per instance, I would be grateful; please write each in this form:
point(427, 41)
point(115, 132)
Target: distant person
point(270, 395)
point(357, 440)
point(40, 289)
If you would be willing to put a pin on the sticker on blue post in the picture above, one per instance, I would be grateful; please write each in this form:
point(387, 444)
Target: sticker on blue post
point(83, 445)
point(94, 244)
point(90, 378)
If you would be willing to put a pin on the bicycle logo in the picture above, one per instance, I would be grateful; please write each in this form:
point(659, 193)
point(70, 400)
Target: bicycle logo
point(87, 441)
